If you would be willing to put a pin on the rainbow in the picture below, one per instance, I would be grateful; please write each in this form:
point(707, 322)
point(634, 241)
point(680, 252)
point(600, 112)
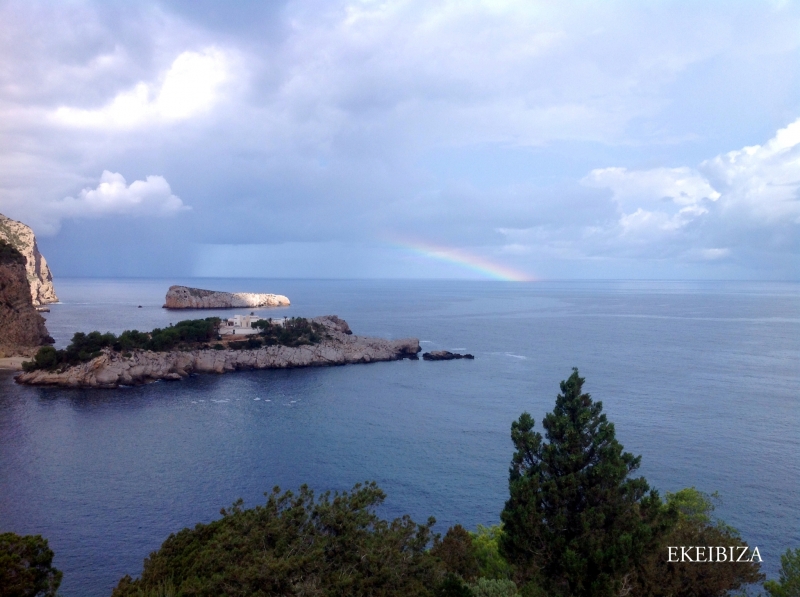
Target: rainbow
point(466, 260)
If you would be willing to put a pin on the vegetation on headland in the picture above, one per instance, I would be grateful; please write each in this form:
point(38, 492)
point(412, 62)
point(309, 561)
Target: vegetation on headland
point(84, 347)
point(10, 255)
point(294, 331)
point(578, 522)
point(184, 335)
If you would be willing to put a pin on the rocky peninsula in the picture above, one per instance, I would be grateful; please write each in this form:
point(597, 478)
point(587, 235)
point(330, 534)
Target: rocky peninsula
point(112, 369)
point(183, 297)
point(40, 280)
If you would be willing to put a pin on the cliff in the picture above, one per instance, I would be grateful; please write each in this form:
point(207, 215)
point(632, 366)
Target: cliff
point(21, 237)
point(112, 369)
point(22, 329)
point(183, 297)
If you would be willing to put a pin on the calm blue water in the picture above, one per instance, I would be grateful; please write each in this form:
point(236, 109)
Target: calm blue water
point(702, 379)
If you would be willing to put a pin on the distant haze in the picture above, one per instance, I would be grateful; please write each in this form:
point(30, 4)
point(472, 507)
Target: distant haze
point(516, 140)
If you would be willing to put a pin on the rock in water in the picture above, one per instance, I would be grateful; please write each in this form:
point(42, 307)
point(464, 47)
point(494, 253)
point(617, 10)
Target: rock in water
point(183, 297)
point(444, 355)
point(21, 237)
point(21, 327)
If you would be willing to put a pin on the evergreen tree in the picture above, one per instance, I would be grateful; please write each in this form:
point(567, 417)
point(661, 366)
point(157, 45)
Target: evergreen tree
point(576, 521)
point(788, 584)
point(333, 545)
point(26, 567)
point(694, 524)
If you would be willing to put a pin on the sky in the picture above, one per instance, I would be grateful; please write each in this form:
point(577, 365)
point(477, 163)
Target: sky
point(505, 140)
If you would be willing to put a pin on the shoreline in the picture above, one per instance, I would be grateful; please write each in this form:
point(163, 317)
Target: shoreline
point(12, 363)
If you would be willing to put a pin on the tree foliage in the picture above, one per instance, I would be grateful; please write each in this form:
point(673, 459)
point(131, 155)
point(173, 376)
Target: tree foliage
point(576, 520)
point(693, 526)
point(295, 331)
point(26, 567)
point(10, 255)
point(491, 563)
point(486, 587)
point(296, 544)
point(85, 347)
point(788, 583)
point(457, 553)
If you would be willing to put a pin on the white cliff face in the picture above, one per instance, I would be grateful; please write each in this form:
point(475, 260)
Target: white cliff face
point(183, 297)
point(340, 347)
point(21, 237)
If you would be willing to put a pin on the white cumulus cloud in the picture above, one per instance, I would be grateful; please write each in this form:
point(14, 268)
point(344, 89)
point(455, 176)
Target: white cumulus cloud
point(761, 182)
point(661, 199)
point(113, 196)
point(190, 87)
point(756, 187)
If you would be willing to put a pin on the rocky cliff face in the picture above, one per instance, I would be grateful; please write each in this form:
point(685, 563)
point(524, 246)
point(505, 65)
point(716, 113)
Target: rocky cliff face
point(21, 237)
point(183, 297)
point(112, 369)
point(22, 329)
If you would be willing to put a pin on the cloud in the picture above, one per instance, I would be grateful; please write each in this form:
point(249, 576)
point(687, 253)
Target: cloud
point(733, 194)
point(680, 195)
point(113, 196)
point(190, 87)
point(149, 198)
point(761, 182)
point(470, 124)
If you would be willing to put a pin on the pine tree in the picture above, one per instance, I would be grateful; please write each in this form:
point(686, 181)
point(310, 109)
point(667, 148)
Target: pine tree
point(575, 521)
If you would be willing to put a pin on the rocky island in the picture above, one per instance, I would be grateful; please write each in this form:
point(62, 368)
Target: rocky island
point(327, 341)
point(183, 297)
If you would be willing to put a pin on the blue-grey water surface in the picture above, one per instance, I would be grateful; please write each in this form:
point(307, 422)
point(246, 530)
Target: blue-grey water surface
point(701, 379)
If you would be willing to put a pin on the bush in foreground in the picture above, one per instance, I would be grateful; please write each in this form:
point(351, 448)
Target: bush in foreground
point(788, 583)
point(296, 545)
point(26, 567)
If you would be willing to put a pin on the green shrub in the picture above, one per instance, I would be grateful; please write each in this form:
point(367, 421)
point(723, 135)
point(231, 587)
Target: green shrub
point(295, 544)
point(46, 358)
point(295, 331)
point(491, 564)
point(85, 347)
point(26, 567)
point(788, 583)
point(486, 587)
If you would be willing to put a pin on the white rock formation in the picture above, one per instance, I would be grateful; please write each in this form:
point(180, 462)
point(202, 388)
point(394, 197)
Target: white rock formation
point(183, 297)
point(112, 369)
point(21, 237)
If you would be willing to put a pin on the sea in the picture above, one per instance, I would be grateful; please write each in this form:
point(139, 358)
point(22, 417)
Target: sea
point(702, 379)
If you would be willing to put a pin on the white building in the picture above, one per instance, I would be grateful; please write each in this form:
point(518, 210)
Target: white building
point(242, 325)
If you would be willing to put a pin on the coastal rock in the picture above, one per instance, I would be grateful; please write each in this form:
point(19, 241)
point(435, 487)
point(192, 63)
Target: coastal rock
point(21, 237)
point(183, 297)
point(112, 369)
point(22, 329)
point(444, 355)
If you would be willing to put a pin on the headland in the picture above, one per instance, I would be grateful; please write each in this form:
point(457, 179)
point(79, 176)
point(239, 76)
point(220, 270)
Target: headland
point(334, 345)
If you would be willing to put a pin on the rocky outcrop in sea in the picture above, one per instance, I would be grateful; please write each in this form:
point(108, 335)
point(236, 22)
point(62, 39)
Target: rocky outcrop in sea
point(21, 237)
point(113, 369)
point(445, 355)
point(183, 297)
point(22, 329)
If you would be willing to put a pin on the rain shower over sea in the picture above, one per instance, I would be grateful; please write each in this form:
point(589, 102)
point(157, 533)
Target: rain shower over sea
point(700, 378)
